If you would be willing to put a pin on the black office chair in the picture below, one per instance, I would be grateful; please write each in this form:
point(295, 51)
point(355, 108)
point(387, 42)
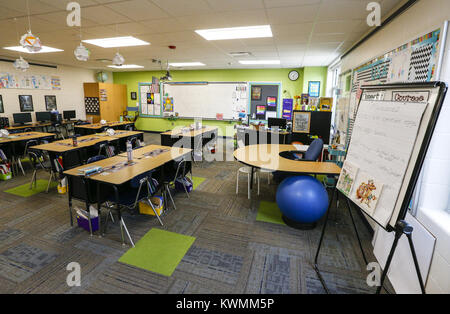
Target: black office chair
point(127, 197)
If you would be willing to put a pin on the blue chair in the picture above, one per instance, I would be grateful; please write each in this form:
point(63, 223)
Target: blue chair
point(314, 150)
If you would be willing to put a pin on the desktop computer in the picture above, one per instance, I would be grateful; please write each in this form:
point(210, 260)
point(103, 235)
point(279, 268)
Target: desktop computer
point(4, 122)
point(22, 118)
point(277, 122)
point(43, 116)
point(69, 114)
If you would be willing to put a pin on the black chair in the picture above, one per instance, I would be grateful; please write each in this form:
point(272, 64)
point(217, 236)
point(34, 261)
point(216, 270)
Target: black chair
point(39, 161)
point(135, 143)
point(178, 169)
point(83, 190)
point(22, 152)
point(128, 196)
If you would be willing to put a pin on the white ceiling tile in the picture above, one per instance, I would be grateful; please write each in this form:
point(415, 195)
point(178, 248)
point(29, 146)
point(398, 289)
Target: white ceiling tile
point(293, 15)
point(104, 15)
point(288, 3)
point(183, 8)
point(235, 5)
point(138, 10)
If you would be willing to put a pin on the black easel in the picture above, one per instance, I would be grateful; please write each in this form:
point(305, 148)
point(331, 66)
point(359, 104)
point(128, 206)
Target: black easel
point(401, 227)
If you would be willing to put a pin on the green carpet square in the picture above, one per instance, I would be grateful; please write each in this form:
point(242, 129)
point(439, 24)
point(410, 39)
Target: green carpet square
point(24, 190)
point(158, 251)
point(197, 181)
point(269, 212)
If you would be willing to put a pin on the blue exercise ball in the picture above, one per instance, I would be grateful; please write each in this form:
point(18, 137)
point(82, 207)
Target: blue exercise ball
point(302, 199)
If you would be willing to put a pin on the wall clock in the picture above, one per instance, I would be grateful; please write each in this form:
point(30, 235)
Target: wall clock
point(293, 75)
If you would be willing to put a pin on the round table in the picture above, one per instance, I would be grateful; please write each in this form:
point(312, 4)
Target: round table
point(267, 157)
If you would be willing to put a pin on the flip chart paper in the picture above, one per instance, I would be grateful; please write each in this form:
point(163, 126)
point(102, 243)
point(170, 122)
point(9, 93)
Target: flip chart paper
point(383, 138)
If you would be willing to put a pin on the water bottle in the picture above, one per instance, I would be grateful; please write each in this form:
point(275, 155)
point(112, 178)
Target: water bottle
point(129, 151)
point(75, 141)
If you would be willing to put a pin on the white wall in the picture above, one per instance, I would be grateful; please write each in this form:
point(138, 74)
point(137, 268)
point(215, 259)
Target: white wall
point(70, 97)
point(423, 17)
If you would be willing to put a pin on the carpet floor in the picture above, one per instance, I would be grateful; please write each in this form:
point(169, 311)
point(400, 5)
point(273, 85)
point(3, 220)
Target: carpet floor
point(233, 252)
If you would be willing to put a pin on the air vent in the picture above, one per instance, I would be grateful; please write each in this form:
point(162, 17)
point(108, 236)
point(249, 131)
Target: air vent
point(240, 54)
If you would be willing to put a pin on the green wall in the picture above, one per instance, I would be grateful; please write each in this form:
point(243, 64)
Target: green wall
point(131, 79)
point(315, 74)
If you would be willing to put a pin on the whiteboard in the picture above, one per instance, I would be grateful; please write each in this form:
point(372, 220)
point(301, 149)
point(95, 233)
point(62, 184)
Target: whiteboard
point(196, 100)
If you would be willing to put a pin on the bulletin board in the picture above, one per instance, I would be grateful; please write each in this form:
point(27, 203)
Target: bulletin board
point(264, 99)
point(150, 104)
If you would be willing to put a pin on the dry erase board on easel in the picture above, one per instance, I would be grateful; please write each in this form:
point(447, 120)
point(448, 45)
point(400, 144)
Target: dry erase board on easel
point(388, 146)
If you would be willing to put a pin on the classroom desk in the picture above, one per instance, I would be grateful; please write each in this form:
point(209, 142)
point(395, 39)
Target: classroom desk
point(12, 141)
point(44, 126)
point(97, 127)
point(113, 179)
point(65, 147)
point(207, 133)
point(267, 157)
point(252, 136)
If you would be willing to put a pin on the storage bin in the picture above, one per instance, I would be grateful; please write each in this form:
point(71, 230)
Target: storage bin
point(84, 223)
point(158, 203)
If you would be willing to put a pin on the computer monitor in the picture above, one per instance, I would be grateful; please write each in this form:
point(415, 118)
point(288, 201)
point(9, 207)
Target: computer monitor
point(69, 114)
point(22, 118)
point(43, 116)
point(278, 122)
point(56, 117)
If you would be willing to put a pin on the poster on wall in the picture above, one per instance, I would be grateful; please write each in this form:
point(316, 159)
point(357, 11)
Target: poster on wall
point(56, 83)
point(26, 103)
point(256, 92)
point(314, 88)
point(271, 102)
point(288, 105)
point(168, 104)
point(50, 102)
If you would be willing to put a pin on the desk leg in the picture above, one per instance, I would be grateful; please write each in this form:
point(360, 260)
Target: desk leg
point(251, 178)
point(99, 210)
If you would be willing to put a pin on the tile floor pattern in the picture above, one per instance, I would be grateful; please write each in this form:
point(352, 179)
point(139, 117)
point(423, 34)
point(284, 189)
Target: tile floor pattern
point(233, 253)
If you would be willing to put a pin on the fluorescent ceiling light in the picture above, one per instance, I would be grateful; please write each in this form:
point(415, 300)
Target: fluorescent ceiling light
point(126, 66)
point(187, 64)
point(113, 42)
point(257, 62)
point(236, 32)
point(44, 49)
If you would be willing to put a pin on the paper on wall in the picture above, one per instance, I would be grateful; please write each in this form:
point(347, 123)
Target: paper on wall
point(271, 114)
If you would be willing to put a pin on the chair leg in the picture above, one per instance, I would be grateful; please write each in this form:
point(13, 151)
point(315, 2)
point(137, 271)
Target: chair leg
point(237, 182)
point(20, 165)
point(185, 189)
point(126, 231)
point(33, 180)
point(154, 210)
point(268, 178)
point(249, 186)
point(170, 195)
point(49, 181)
point(258, 175)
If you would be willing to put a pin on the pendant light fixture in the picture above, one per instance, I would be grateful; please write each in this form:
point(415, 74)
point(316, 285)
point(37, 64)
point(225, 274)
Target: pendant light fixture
point(81, 52)
point(28, 40)
point(20, 64)
point(118, 59)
